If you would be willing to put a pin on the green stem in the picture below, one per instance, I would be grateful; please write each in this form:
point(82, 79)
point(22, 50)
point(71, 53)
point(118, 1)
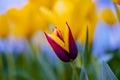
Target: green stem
point(117, 12)
point(1, 68)
point(11, 66)
point(74, 70)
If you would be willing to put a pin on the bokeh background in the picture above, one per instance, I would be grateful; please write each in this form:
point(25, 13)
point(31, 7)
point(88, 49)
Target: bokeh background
point(25, 53)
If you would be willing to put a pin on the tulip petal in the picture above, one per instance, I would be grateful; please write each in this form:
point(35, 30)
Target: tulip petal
point(72, 46)
point(60, 52)
point(57, 40)
point(58, 33)
point(66, 40)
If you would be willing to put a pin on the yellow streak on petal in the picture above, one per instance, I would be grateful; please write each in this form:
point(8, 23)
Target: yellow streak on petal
point(57, 40)
point(54, 32)
point(66, 38)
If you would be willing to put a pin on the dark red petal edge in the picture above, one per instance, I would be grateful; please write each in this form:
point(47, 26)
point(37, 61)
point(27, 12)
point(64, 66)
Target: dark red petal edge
point(72, 46)
point(59, 33)
point(60, 52)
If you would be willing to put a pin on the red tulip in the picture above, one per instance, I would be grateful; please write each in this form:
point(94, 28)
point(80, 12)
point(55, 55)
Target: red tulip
point(63, 44)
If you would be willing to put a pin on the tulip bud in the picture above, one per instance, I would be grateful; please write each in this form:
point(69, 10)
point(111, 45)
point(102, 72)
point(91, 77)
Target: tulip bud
point(63, 44)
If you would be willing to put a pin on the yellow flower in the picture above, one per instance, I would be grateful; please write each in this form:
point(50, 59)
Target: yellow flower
point(39, 22)
point(108, 16)
point(77, 13)
point(116, 1)
point(26, 21)
point(38, 3)
point(91, 19)
point(60, 11)
point(4, 29)
point(119, 11)
point(20, 20)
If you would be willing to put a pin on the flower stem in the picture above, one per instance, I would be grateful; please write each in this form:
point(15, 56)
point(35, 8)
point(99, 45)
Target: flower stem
point(74, 70)
point(11, 66)
point(117, 12)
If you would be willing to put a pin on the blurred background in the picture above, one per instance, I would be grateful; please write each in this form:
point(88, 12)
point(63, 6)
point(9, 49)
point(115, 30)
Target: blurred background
point(25, 53)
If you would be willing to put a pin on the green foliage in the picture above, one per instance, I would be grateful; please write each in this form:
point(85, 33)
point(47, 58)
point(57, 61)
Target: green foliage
point(107, 74)
point(34, 65)
point(83, 75)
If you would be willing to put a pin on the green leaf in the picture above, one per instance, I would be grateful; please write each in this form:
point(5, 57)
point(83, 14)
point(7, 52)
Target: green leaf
point(83, 75)
point(117, 12)
point(2, 77)
point(107, 73)
point(86, 41)
point(11, 66)
point(86, 54)
point(23, 75)
point(73, 76)
point(46, 67)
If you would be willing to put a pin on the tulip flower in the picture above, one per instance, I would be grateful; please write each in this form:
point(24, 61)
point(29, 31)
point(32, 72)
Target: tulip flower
point(63, 44)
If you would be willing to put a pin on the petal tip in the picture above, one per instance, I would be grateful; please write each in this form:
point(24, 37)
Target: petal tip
point(67, 25)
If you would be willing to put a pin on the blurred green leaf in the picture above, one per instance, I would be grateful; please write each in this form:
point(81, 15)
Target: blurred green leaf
point(23, 75)
point(107, 73)
point(11, 66)
point(1, 68)
point(86, 53)
point(48, 70)
point(117, 11)
point(73, 76)
point(78, 61)
point(114, 52)
point(114, 64)
point(83, 75)
point(88, 64)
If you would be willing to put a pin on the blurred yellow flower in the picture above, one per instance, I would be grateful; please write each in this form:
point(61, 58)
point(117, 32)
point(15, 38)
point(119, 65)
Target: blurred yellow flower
point(75, 13)
point(119, 11)
point(60, 11)
point(90, 22)
point(116, 1)
point(39, 22)
point(4, 29)
point(108, 16)
point(38, 3)
point(26, 21)
point(20, 20)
